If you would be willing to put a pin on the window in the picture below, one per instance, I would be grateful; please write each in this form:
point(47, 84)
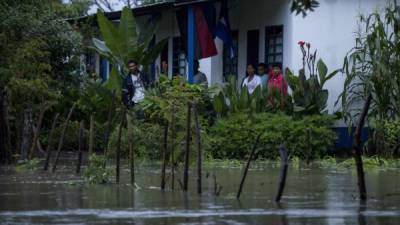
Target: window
point(178, 57)
point(231, 64)
point(253, 37)
point(274, 45)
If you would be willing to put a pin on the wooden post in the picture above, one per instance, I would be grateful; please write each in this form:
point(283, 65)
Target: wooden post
point(131, 149)
point(61, 141)
point(81, 145)
point(247, 166)
point(357, 150)
point(309, 146)
point(118, 155)
point(199, 150)
point(36, 133)
point(91, 135)
point(50, 142)
point(109, 124)
point(282, 177)
point(173, 137)
point(187, 148)
point(164, 156)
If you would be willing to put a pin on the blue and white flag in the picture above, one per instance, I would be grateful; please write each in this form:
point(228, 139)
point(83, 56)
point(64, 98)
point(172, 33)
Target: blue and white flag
point(223, 28)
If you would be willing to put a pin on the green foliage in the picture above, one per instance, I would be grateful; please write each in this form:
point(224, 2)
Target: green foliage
point(233, 99)
point(373, 67)
point(302, 6)
point(147, 140)
point(96, 172)
point(309, 95)
point(232, 137)
point(32, 164)
point(125, 42)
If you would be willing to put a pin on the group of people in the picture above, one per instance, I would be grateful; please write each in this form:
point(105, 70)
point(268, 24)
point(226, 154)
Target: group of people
point(136, 82)
point(271, 79)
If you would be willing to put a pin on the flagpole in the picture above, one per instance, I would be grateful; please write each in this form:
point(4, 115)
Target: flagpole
point(190, 42)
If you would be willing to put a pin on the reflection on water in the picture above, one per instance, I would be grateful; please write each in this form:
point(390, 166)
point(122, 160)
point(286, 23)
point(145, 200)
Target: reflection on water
point(312, 196)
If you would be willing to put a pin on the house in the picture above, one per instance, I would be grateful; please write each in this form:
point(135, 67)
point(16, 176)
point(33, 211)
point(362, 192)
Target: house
point(263, 31)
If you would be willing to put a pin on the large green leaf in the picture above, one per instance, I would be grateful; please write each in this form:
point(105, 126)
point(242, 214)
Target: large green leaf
point(109, 33)
point(322, 70)
point(127, 31)
point(114, 83)
point(153, 52)
point(329, 76)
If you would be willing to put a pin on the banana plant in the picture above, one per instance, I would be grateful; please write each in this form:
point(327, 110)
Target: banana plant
point(124, 42)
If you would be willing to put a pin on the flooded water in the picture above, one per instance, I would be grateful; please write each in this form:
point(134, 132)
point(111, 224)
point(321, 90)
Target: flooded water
point(312, 196)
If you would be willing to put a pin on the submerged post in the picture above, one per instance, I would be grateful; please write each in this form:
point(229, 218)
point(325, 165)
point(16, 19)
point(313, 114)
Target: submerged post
point(118, 155)
point(164, 156)
point(50, 142)
point(199, 150)
point(282, 177)
point(187, 147)
point(91, 135)
point(131, 150)
point(172, 150)
point(357, 150)
point(247, 166)
point(61, 141)
point(81, 144)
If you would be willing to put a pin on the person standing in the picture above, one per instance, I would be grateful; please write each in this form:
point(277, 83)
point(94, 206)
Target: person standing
point(252, 81)
point(262, 73)
point(133, 87)
point(199, 77)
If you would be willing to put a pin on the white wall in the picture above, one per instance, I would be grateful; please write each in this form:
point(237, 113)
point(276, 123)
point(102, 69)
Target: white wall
point(331, 30)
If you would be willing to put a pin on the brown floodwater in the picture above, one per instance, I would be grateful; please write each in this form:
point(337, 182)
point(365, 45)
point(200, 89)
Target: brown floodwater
point(313, 195)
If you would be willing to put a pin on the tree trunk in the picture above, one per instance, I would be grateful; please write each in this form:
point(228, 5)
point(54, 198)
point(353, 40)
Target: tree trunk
point(61, 141)
point(26, 134)
point(357, 149)
point(199, 150)
point(4, 150)
point(118, 152)
point(81, 145)
point(309, 146)
point(50, 142)
point(282, 177)
point(253, 151)
point(36, 134)
point(91, 135)
point(164, 156)
point(187, 148)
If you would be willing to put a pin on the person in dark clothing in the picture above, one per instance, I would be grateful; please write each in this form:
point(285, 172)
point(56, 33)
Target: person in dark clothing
point(134, 85)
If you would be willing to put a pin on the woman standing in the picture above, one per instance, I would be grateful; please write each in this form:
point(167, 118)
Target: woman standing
point(252, 81)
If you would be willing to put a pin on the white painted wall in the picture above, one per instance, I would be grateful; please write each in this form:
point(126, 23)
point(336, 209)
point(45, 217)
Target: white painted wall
point(331, 30)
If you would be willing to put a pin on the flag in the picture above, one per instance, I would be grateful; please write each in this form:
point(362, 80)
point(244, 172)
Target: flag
point(204, 33)
point(204, 19)
point(223, 28)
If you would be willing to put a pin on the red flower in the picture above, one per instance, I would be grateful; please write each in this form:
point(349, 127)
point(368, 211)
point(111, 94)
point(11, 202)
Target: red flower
point(301, 43)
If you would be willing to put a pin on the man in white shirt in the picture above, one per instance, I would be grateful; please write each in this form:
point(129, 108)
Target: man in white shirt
point(133, 87)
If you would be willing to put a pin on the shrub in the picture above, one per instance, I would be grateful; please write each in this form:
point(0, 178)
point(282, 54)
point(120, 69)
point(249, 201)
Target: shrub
point(96, 172)
point(233, 137)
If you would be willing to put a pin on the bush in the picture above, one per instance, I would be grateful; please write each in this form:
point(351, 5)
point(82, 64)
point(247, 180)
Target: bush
point(233, 137)
point(147, 140)
point(96, 172)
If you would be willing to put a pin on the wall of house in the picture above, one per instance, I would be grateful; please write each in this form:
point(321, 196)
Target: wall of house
point(331, 30)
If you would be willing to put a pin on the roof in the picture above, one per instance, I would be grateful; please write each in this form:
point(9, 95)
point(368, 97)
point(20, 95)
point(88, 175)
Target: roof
point(147, 9)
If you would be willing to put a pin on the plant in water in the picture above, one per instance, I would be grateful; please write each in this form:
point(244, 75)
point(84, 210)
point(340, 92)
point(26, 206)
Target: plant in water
point(309, 95)
point(96, 172)
point(25, 165)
